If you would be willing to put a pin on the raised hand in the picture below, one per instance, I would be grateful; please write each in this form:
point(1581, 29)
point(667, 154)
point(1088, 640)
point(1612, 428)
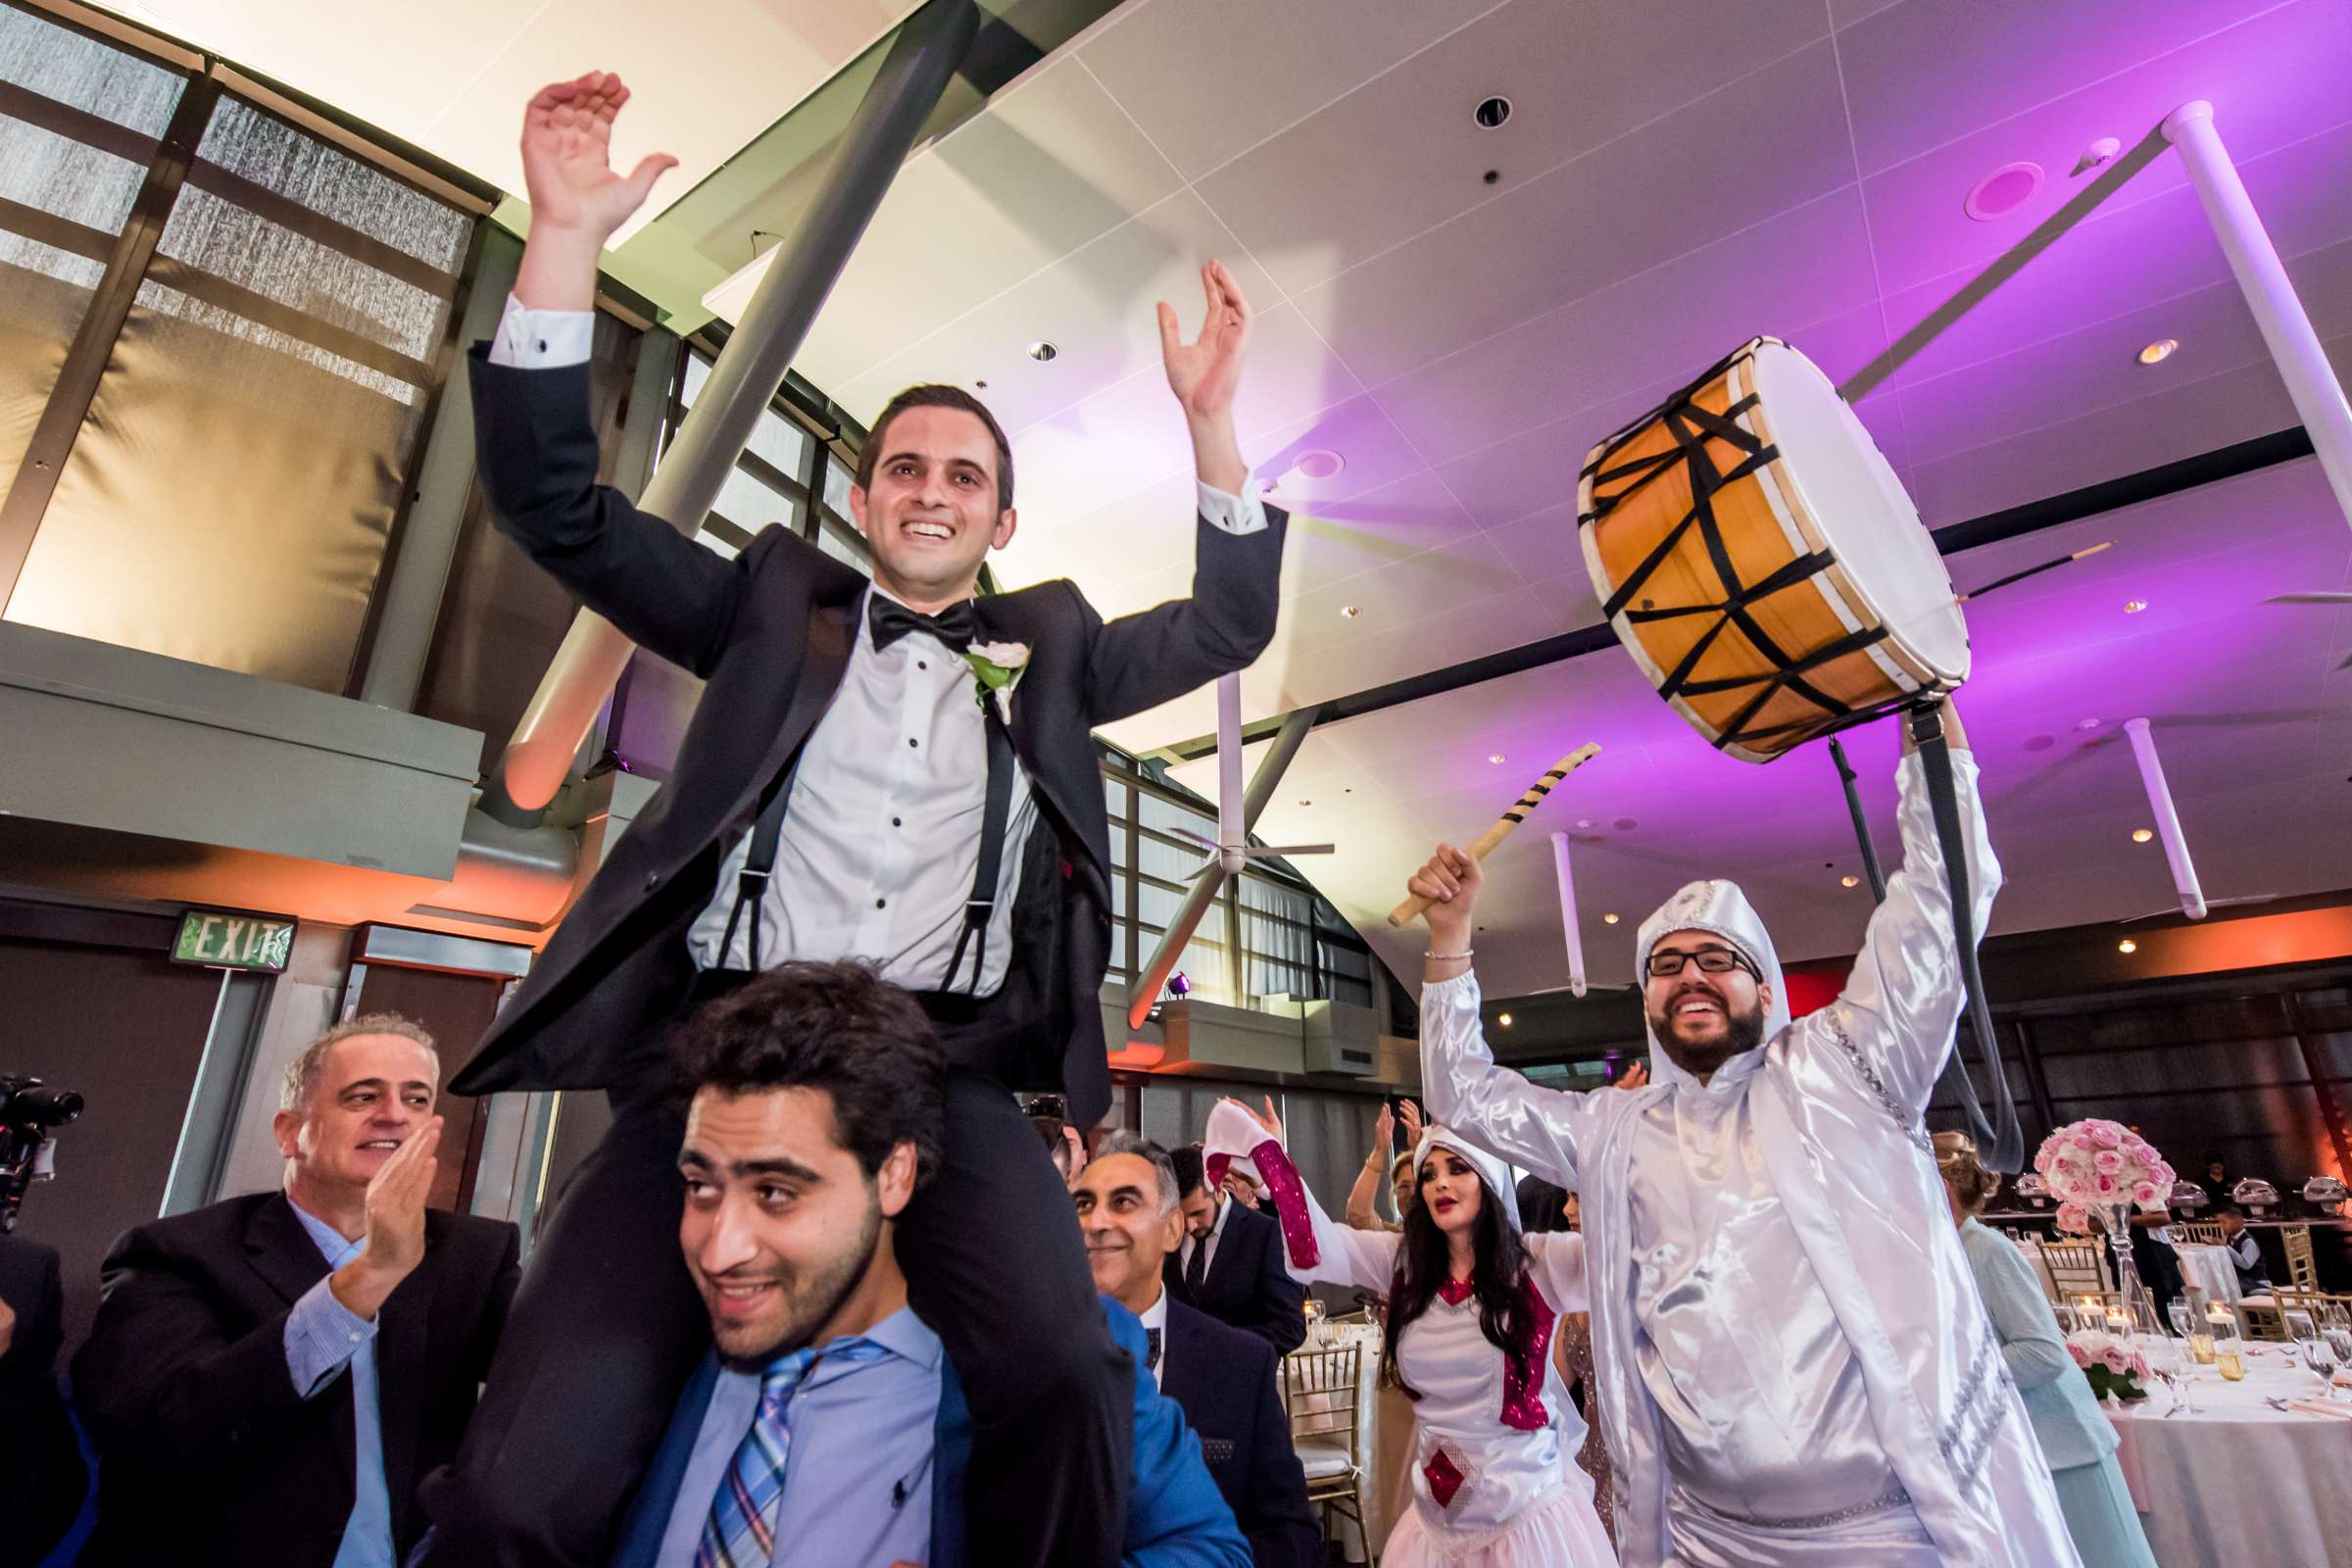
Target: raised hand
point(1634, 1077)
point(1412, 1121)
point(1383, 1136)
point(395, 1235)
point(1205, 373)
point(1270, 1119)
point(566, 158)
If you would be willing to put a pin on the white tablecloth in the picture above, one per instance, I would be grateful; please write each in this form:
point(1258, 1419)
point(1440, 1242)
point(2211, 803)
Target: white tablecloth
point(2237, 1482)
point(2207, 1269)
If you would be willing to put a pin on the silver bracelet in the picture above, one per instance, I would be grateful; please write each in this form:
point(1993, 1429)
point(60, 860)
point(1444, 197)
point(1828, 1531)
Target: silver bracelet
point(1444, 958)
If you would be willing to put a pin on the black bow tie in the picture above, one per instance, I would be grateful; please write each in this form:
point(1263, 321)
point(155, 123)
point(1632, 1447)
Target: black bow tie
point(891, 620)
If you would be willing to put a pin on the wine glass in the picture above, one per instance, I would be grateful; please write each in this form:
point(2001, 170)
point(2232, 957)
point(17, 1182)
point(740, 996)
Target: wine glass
point(2178, 1312)
point(2170, 1362)
point(2336, 1327)
point(2320, 1355)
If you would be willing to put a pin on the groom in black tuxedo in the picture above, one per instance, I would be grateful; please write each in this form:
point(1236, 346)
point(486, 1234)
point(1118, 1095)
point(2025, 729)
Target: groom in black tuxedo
point(847, 789)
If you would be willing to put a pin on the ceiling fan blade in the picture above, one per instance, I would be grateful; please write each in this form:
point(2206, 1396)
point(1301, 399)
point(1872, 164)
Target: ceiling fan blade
point(2210, 903)
point(2309, 599)
point(1201, 839)
point(1275, 851)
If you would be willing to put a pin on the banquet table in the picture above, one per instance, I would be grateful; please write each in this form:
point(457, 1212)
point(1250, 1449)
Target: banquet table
point(2235, 1481)
point(2208, 1268)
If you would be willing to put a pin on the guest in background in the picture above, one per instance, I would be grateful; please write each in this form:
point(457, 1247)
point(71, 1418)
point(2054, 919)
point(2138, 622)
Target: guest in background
point(828, 1424)
point(285, 1367)
point(1223, 1379)
point(2077, 1441)
point(1399, 1165)
point(1063, 1143)
point(1230, 1263)
point(2244, 1255)
point(1547, 1208)
point(43, 1478)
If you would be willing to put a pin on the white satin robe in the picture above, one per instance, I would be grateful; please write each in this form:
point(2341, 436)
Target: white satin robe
point(1833, 1104)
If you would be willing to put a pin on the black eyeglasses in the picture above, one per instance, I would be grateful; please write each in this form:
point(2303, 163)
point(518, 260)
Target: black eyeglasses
point(1667, 962)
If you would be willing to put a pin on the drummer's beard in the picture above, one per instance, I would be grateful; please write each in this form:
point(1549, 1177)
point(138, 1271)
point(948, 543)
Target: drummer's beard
point(1699, 1057)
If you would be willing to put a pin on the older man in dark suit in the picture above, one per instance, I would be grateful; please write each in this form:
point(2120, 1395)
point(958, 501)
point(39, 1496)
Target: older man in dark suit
point(269, 1378)
point(1223, 1377)
point(1230, 1264)
point(41, 1475)
point(894, 770)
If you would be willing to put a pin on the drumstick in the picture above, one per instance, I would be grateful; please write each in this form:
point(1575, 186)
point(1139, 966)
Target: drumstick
point(2035, 572)
point(1511, 817)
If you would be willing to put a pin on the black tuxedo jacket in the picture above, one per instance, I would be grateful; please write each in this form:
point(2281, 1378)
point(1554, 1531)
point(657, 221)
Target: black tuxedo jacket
point(771, 632)
point(41, 1475)
point(1248, 1287)
point(1224, 1380)
point(207, 1455)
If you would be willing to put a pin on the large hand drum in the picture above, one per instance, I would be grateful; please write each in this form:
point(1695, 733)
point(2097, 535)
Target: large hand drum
point(1758, 558)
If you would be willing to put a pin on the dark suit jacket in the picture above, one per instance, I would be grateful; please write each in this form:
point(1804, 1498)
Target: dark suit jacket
point(1248, 1286)
point(41, 1474)
point(1225, 1381)
point(771, 633)
point(204, 1448)
point(1175, 1519)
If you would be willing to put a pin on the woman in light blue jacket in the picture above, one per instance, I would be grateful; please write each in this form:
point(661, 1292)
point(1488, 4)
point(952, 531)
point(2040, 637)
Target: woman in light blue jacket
point(2077, 1439)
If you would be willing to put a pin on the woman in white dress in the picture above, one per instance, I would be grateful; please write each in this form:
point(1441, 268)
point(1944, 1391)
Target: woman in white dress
point(1472, 1306)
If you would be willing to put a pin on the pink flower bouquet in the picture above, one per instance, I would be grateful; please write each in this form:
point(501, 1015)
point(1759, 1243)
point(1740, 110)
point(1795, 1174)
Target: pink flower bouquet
point(2094, 1165)
point(2111, 1361)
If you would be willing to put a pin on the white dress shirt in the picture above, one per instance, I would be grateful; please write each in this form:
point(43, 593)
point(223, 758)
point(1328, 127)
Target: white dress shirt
point(1216, 1228)
point(881, 840)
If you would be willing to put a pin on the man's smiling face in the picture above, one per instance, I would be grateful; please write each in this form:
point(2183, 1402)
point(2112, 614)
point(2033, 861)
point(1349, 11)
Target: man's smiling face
point(931, 512)
point(1702, 1021)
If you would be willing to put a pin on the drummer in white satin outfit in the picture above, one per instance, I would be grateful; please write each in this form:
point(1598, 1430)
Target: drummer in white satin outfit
point(1793, 1365)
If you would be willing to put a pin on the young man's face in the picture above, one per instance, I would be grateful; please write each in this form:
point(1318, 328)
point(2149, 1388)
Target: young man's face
point(781, 1224)
point(373, 1093)
point(1199, 1207)
point(931, 512)
point(1128, 1235)
point(1701, 1019)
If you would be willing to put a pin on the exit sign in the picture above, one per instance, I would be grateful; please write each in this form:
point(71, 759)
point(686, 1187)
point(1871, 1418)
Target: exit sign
point(230, 938)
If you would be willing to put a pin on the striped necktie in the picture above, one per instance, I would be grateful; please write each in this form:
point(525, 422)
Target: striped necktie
point(741, 1532)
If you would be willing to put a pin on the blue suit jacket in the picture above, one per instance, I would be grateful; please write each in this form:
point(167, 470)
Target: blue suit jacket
point(1175, 1515)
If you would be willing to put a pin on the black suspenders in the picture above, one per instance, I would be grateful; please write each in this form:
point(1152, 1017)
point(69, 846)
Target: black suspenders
point(759, 861)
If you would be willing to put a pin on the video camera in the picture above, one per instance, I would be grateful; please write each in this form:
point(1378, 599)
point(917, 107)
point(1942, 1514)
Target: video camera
point(30, 1110)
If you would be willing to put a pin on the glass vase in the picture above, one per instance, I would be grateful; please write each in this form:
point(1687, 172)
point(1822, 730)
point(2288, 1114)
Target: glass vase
point(2116, 1220)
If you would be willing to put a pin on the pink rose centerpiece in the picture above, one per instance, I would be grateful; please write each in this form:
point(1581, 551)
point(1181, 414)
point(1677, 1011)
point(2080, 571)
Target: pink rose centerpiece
point(2098, 1172)
point(2114, 1365)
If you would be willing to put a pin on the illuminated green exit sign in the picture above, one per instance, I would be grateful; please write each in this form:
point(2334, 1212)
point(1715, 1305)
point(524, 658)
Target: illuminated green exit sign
point(228, 939)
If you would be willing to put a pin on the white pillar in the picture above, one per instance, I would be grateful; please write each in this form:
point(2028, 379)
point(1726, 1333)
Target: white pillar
point(1568, 921)
point(2302, 361)
point(2168, 821)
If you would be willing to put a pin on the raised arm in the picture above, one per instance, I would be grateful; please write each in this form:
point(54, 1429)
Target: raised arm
point(1140, 660)
point(1362, 1213)
point(1540, 1130)
point(1907, 979)
point(1314, 1248)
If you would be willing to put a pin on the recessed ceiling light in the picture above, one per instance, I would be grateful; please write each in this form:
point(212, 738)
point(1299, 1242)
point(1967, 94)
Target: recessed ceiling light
point(2087, 723)
point(1496, 756)
point(1043, 351)
point(1320, 463)
point(1505, 1019)
point(1491, 113)
point(2133, 606)
point(2159, 351)
point(1609, 918)
point(1584, 822)
point(1849, 881)
point(2141, 835)
point(1350, 612)
point(1306, 802)
point(2002, 192)
point(982, 385)
point(2127, 946)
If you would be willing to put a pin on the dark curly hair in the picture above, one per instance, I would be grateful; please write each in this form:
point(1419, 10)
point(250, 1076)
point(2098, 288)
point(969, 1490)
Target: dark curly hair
point(935, 396)
point(835, 1027)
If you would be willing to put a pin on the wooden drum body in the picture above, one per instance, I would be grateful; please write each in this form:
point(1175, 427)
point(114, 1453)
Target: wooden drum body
point(1758, 558)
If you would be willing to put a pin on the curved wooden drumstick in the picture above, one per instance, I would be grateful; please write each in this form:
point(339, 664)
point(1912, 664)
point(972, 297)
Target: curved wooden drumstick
point(1511, 817)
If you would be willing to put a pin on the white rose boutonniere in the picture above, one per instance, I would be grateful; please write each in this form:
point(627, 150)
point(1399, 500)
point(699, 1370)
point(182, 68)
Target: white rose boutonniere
point(998, 668)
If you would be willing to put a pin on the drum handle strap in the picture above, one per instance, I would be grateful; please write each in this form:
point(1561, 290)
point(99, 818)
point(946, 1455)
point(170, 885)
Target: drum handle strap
point(1853, 807)
point(2001, 1142)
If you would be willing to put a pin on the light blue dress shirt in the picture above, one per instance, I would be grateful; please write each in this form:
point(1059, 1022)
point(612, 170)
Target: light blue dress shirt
point(323, 1338)
point(857, 1477)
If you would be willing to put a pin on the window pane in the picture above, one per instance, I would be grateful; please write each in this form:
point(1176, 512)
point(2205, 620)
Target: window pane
point(831, 542)
point(229, 497)
point(750, 504)
point(781, 443)
point(837, 486)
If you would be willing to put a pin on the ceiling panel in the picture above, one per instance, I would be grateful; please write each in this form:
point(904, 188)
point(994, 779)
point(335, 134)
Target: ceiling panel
point(1174, 64)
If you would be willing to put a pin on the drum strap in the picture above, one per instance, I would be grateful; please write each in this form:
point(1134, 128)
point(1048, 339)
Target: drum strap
point(1692, 429)
point(2000, 1140)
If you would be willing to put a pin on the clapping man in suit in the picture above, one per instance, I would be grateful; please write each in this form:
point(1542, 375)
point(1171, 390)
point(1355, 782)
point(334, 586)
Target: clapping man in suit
point(1230, 1263)
point(825, 1426)
point(1223, 1377)
point(847, 788)
point(270, 1377)
point(41, 1474)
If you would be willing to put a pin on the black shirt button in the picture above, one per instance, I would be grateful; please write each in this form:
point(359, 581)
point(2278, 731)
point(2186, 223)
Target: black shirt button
point(897, 822)
point(910, 739)
point(922, 663)
point(881, 904)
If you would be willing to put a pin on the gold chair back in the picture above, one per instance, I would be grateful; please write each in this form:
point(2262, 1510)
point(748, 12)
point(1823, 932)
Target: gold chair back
point(1319, 1394)
point(2261, 1321)
point(2077, 1268)
point(2198, 1232)
point(2302, 1268)
point(2289, 1298)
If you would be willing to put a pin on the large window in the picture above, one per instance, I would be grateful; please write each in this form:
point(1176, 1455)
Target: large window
point(220, 331)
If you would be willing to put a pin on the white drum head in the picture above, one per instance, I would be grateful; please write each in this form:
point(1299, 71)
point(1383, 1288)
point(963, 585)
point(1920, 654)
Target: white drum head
point(1849, 490)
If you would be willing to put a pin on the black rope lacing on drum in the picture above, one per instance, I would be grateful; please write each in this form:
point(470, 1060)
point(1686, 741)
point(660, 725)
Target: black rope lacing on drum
point(1691, 427)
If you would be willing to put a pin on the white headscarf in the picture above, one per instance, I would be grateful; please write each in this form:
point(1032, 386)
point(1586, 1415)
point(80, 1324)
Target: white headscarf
point(1720, 910)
